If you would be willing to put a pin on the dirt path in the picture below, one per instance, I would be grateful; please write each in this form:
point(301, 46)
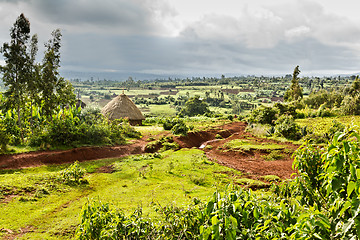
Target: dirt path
point(250, 162)
point(39, 158)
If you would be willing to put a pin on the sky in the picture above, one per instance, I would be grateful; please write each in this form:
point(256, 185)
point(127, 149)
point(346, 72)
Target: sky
point(142, 38)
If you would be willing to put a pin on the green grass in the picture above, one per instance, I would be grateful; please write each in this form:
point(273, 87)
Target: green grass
point(247, 145)
point(150, 130)
point(321, 125)
point(162, 110)
point(175, 178)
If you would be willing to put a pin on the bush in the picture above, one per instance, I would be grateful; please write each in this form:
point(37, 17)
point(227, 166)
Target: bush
point(68, 128)
point(263, 115)
point(168, 123)
point(335, 127)
point(180, 129)
point(286, 127)
point(323, 111)
point(330, 99)
point(73, 174)
point(195, 106)
point(350, 105)
point(288, 109)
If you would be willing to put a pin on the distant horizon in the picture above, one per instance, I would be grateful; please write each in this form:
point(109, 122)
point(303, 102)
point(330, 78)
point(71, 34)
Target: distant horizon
point(123, 76)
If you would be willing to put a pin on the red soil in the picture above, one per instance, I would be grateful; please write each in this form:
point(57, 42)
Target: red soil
point(251, 162)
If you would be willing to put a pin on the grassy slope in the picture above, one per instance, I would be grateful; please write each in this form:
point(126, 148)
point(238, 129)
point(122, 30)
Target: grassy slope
point(321, 125)
point(174, 179)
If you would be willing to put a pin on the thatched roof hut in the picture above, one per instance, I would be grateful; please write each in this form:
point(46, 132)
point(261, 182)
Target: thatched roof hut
point(123, 107)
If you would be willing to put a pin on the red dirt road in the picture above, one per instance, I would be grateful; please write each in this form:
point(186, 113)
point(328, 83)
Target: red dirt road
point(251, 162)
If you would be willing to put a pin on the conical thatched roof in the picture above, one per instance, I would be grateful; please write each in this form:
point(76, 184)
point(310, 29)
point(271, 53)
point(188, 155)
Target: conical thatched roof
point(122, 107)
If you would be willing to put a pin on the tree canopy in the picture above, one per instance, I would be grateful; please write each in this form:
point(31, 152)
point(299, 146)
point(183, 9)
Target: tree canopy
point(195, 106)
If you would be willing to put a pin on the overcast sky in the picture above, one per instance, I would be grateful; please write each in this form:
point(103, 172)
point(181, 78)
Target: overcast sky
point(196, 37)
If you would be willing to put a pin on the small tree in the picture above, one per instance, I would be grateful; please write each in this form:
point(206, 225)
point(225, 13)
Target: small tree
point(195, 106)
point(294, 93)
point(355, 87)
point(16, 70)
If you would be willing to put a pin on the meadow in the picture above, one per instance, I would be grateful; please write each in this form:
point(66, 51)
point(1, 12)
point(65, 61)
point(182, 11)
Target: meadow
point(38, 202)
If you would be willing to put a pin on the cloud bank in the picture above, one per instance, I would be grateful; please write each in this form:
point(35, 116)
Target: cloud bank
point(154, 36)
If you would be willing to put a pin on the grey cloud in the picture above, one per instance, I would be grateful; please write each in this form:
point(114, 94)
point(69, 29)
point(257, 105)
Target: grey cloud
point(123, 35)
point(288, 22)
point(102, 12)
point(191, 57)
point(120, 16)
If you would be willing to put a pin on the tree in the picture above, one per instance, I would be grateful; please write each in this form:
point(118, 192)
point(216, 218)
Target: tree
point(33, 81)
point(355, 87)
point(55, 90)
point(16, 70)
point(294, 93)
point(195, 106)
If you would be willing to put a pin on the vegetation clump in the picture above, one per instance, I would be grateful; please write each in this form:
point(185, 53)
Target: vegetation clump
point(194, 106)
point(286, 127)
point(73, 174)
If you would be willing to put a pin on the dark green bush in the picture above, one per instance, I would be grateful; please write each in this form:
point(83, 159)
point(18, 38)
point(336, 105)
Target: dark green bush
point(168, 124)
point(263, 115)
point(329, 99)
point(67, 129)
point(350, 105)
point(286, 127)
point(180, 129)
point(72, 174)
point(283, 108)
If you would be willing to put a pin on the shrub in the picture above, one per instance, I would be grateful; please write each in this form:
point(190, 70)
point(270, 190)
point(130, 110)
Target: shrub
point(195, 106)
point(288, 109)
point(286, 127)
point(67, 129)
point(168, 123)
point(73, 174)
point(274, 155)
point(180, 129)
point(323, 111)
point(350, 105)
point(330, 99)
point(170, 145)
point(263, 115)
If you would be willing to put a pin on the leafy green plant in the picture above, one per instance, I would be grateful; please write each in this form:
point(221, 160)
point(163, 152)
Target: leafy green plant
point(286, 127)
point(180, 129)
point(263, 115)
point(73, 174)
point(4, 137)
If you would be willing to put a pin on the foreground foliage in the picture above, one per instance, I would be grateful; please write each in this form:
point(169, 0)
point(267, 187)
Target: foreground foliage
point(321, 203)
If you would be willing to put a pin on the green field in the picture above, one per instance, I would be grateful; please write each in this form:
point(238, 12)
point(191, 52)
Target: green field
point(35, 198)
point(322, 124)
